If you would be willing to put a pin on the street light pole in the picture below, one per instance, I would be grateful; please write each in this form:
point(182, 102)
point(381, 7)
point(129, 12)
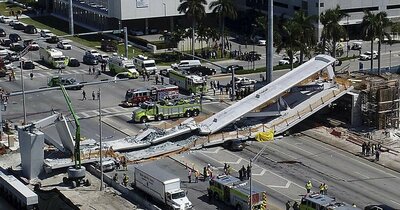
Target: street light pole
point(233, 84)
point(270, 44)
point(23, 93)
point(101, 143)
point(390, 59)
point(126, 41)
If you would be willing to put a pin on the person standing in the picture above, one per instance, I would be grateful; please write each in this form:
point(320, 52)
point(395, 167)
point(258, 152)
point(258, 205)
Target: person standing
point(90, 70)
point(248, 171)
point(363, 147)
point(321, 189)
point(115, 177)
point(377, 154)
point(93, 95)
point(241, 174)
point(308, 186)
point(31, 75)
point(162, 80)
point(205, 174)
point(125, 180)
point(288, 205)
point(325, 189)
point(190, 175)
point(244, 173)
point(196, 176)
point(296, 206)
point(83, 95)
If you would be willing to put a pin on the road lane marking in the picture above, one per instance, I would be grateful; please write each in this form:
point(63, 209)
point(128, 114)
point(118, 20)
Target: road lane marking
point(211, 152)
point(395, 202)
point(317, 180)
point(361, 174)
point(299, 148)
point(283, 153)
point(347, 157)
point(282, 187)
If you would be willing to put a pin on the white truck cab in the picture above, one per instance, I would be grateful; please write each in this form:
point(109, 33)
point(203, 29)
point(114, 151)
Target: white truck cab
point(144, 64)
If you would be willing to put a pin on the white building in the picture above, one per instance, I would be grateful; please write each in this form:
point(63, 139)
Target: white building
point(141, 15)
point(354, 8)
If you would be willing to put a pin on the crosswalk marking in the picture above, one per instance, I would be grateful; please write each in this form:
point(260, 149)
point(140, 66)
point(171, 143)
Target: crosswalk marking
point(36, 74)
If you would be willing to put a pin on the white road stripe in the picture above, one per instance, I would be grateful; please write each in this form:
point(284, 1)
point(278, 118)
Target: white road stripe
point(361, 174)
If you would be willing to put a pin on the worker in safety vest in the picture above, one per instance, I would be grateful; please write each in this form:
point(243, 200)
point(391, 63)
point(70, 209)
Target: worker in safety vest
point(325, 189)
point(125, 180)
point(321, 189)
point(308, 186)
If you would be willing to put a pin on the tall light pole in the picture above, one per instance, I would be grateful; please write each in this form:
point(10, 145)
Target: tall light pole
point(270, 44)
point(251, 171)
point(23, 92)
point(71, 18)
point(165, 9)
point(101, 142)
point(126, 41)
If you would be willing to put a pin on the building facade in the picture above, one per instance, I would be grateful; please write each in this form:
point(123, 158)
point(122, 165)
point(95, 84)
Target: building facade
point(109, 14)
point(354, 8)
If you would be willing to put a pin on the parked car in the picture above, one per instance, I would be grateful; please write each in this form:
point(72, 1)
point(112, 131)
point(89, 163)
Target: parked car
point(109, 45)
point(165, 72)
point(244, 81)
point(19, 26)
point(30, 29)
point(16, 47)
point(46, 33)
point(368, 55)
point(57, 80)
point(52, 39)
point(103, 58)
point(13, 22)
point(109, 164)
point(28, 64)
point(5, 20)
point(95, 53)
point(286, 60)
point(6, 42)
point(136, 32)
point(64, 44)
point(233, 145)
point(262, 42)
point(2, 33)
point(14, 37)
point(34, 45)
point(73, 62)
point(12, 57)
point(202, 70)
point(90, 59)
point(229, 68)
point(356, 46)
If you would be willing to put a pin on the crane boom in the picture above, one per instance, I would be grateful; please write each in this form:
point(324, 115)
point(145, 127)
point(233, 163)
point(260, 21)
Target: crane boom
point(77, 150)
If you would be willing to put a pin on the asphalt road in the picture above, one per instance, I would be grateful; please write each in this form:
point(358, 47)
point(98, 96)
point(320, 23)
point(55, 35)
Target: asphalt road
point(288, 163)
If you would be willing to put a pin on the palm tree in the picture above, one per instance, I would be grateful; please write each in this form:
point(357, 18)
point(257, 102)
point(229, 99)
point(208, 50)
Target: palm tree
point(374, 27)
point(306, 38)
point(289, 40)
point(332, 30)
point(224, 8)
point(195, 10)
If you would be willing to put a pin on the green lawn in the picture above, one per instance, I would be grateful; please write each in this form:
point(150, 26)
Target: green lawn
point(5, 8)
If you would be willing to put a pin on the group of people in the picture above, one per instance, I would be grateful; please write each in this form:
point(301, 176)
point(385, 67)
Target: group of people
point(196, 173)
point(323, 188)
point(295, 205)
point(158, 78)
point(244, 173)
point(93, 70)
point(93, 95)
point(125, 179)
point(368, 149)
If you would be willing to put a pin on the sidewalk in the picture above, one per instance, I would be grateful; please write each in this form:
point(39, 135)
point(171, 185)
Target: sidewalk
point(390, 159)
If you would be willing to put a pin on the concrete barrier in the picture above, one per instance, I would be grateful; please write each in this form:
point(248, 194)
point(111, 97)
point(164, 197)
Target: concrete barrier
point(131, 195)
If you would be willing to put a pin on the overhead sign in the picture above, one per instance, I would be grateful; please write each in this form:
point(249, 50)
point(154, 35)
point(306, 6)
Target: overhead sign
point(142, 3)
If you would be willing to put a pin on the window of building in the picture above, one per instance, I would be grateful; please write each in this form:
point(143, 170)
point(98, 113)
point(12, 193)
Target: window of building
point(296, 8)
point(321, 4)
point(362, 9)
point(278, 4)
point(397, 6)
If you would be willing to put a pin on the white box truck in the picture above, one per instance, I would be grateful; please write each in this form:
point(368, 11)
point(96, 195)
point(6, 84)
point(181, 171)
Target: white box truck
point(162, 186)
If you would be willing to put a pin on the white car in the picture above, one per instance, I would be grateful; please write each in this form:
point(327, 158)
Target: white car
point(95, 53)
point(286, 60)
point(103, 58)
point(46, 33)
point(5, 20)
point(367, 55)
point(64, 44)
point(244, 81)
point(262, 42)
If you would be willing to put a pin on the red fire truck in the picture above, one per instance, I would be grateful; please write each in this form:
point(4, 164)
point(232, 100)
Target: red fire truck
point(156, 93)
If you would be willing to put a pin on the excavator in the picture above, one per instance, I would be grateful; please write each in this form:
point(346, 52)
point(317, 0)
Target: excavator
point(76, 173)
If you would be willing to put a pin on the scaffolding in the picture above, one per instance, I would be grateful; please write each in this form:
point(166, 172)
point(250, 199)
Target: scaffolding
point(380, 103)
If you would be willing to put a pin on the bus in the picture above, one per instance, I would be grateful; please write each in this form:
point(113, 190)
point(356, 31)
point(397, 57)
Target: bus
point(192, 84)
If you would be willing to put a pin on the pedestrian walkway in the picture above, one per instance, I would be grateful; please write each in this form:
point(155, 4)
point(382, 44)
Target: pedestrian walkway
point(40, 73)
point(106, 112)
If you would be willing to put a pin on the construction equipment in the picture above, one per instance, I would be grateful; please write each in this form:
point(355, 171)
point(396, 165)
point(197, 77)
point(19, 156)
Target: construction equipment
point(236, 193)
point(155, 93)
point(76, 174)
point(165, 109)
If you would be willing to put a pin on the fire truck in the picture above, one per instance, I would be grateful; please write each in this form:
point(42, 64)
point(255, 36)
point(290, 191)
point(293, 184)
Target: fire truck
point(155, 93)
point(167, 109)
point(236, 193)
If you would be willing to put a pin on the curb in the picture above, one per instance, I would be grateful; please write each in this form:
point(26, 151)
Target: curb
point(342, 149)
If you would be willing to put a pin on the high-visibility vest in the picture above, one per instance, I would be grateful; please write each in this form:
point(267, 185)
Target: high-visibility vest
point(321, 187)
point(308, 186)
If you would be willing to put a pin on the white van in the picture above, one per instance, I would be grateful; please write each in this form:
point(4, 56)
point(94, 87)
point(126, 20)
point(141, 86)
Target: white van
point(185, 64)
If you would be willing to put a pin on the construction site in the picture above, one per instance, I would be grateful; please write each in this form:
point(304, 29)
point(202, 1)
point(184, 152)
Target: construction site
point(350, 106)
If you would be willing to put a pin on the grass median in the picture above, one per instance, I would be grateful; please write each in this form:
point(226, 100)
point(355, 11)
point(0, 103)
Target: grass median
point(6, 8)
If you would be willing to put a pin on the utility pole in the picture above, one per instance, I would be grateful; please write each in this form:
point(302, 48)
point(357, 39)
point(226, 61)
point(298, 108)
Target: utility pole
point(270, 44)
point(101, 143)
point(71, 18)
point(233, 84)
point(23, 93)
point(126, 41)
